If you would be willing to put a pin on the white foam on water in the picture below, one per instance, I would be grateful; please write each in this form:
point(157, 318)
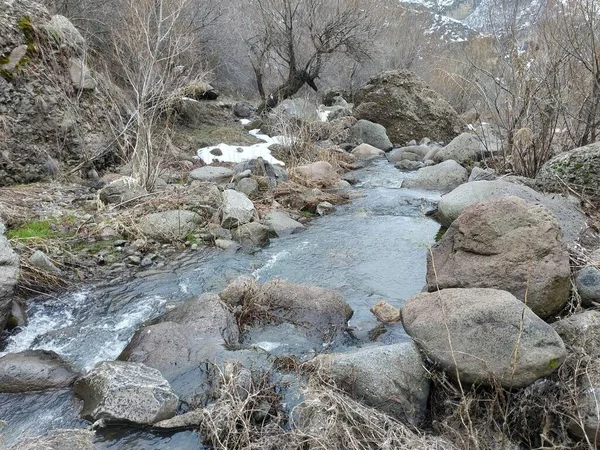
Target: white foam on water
point(270, 263)
point(238, 154)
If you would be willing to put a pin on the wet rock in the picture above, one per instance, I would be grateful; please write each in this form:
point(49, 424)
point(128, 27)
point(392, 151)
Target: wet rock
point(386, 313)
point(587, 282)
point(390, 378)
point(579, 168)
point(18, 315)
point(121, 190)
point(226, 244)
point(40, 261)
point(571, 221)
point(251, 235)
point(237, 209)
point(211, 173)
point(183, 343)
point(476, 332)
point(410, 153)
point(281, 224)
point(366, 152)
point(507, 244)
point(464, 148)
point(407, 108)
point(409, 165)
point(118, 391)
point(442, 177)
point(35, 370)
point(324, 208)
point(189, 420)
point(169, 226)
point(9, 275)
point(373, 134)
point(59, 440)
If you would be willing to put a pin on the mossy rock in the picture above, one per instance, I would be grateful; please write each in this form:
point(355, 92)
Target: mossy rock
point(579, 169)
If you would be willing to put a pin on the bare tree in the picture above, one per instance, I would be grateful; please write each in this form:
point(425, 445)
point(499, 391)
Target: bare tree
point(294, 39)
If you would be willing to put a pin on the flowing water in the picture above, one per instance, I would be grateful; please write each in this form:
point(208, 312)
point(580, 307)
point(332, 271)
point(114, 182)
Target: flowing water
point(371, 249)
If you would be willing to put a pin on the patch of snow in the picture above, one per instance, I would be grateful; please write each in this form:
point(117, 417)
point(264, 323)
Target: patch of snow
point(237, 154)
point(244, 121)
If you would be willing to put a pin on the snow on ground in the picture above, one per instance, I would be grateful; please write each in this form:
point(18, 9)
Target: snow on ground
point(237, 154)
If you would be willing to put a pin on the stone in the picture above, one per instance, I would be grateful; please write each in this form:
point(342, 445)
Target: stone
point(169, 226)
point(243, 110)
point(58, 440)
point(386, 313)
point(409, 165)
point(15, 57)
point(190, 420)
point(391, 378)
point(581, 333)
point(40, 261)
point(365, 152)
point(118, 391)
point(586, 422)
point(18, 315)
point(9, 275)
point(587, 282)
point(35, 370)
point(237, 209)
point(296, 108)
point(281, 224)
point(464, 148)
point(247, 186)
point(578, 168)
point(81, 76)
point(479, 174)
point(410, 153)
point(483, 336)
point(571, 220)
point(366, 132)
point(442, 177)
point(507, 244)
point(319, 173)
point(122, 190)
point(211, 173)
point(407, 108)
point(184, 342)
point(324, 208)
point(67, 31)
point(251, 235)
point(227, 244)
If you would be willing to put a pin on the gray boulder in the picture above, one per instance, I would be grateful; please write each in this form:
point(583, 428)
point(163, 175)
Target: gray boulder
point(211, 173)
point(169, 225)
point(81, 75)
point(183, 343)
point(409, 153)
point(190, 420)
point(40, 261)
point(58, 440)
point(483, 336)
point(68, 33)
point(390, 378)
point(442, 177)
point(579, 168)
point(407, 108)
point(247, 186)
point(281, 224)
point(121, 190)
point(251, 235)
point(237, 209)
point(571, 220)
point(366, 132)
point(507, 244)
point(587, 282)
point(118, 391)
point(365, 152)
point(581, 333)
point(479, 174)
point(296, 108)
point(35, 370)
point(9, 275)
point(464, 148)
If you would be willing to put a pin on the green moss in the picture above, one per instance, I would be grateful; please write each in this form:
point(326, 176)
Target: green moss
point(38, 229)
point(28, 31)
point(7, 75)
point(4, 60)
point(440, 234)
point(554, 363)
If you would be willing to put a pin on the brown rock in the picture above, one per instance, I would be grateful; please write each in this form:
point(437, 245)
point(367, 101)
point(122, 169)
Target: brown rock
point(386, 313)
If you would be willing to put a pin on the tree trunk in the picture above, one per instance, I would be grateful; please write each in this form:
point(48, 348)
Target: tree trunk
point(292, 85)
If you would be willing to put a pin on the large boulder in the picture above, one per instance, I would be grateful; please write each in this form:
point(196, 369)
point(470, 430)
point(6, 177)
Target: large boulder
point(281, 224)
point(35, 370)
point(58, 440)
point(118, 391)
point(464, 148)
point(237, 209)
point(212, 173)
point(442, 177)
point(407, 108)
point(9, 275)
point(579, 168)
point(507, 244)
point(483, 336)
point(183, 343)
point(169, 225)
point(366, 132)
point(390, 378)
point(571, 220)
